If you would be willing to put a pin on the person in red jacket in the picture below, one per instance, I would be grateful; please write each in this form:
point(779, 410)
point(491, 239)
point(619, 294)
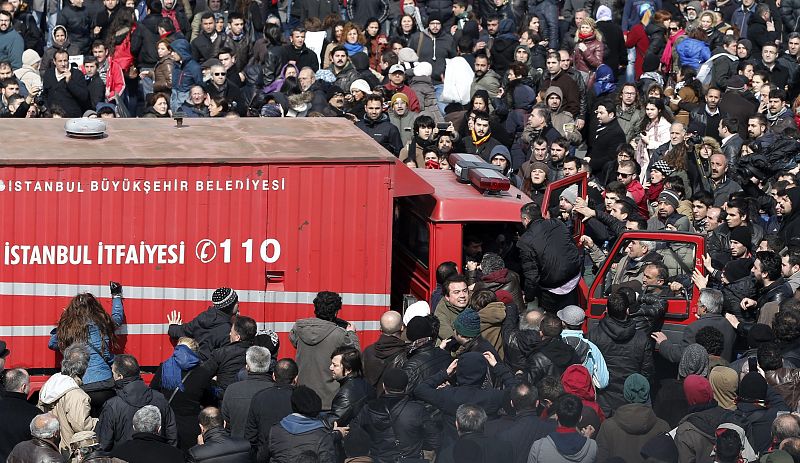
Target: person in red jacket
point(577, 380)
point(628, 176)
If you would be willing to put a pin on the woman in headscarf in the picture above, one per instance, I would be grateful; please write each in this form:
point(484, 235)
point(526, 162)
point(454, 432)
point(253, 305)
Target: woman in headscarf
point(670, 403)
point(724, 381)
point(184, 386)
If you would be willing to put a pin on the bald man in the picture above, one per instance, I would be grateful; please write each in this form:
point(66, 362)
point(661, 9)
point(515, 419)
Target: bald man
point(387, 352)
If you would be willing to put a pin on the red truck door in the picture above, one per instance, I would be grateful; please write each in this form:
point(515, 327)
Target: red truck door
point(552, 196)
point(680, 252)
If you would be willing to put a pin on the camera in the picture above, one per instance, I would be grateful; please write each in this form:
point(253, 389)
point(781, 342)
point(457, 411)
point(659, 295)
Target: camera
point(695, 139)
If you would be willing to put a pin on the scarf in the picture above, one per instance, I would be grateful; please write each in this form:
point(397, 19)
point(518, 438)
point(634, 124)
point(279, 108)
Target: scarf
point(772, 118)
point(653, 191)
point(478, 142)
point(353, 48)
point(666, 57)
point(182, 359)
point(236, 37)
point(584, 37)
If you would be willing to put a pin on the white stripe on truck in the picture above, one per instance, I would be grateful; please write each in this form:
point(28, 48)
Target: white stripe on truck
point(161, 328)
point(184, 294)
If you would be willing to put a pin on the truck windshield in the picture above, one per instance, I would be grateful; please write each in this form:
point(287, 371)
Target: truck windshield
point(660, 267)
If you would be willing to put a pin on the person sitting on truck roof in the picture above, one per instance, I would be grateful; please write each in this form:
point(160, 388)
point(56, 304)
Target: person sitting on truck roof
point(315, 338)
point(84, 320)
point(211, 329)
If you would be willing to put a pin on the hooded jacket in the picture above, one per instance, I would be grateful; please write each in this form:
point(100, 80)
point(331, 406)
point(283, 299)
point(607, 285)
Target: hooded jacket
point(550, 358)
point(314, 340)
point(63, 397)
point(296, 434)
point(624, 434)
point(695, 435)
point(576, 380)
point(116, 420)
point(434, 49)
point(185, 74)
point(211, 329)
point(492, 317)
point(692, 52)
point(561, 119)
point(386, 352)
point(626, 351)
point(563, 446)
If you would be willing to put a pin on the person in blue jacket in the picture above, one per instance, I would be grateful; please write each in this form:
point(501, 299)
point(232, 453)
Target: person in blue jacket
point(185, 74)
point(693, 51)
point(85, 320)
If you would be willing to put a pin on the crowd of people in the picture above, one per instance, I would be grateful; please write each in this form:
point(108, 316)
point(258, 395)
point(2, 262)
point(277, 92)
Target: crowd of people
point(683, 115)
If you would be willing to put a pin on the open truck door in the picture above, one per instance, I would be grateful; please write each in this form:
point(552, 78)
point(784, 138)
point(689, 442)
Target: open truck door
point(552, 196)
point(680, 252)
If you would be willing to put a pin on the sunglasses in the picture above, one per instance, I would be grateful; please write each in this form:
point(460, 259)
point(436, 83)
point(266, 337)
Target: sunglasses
point(219, 74)
point(623, 174)
point(674, 29)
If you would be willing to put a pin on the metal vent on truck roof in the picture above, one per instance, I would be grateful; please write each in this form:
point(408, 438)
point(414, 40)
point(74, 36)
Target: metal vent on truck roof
point(85, 128)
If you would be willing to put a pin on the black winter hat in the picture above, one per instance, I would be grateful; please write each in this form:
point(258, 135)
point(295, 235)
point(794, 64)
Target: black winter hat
point(737, 269)
point(759, 334)
point(395, 379)
point(224, 299)
point(306, 402)
point(418, 328)
point(743, 235)
point(752, 388)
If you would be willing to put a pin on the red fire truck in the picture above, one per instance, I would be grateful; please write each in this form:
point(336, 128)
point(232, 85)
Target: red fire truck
point(276, 209)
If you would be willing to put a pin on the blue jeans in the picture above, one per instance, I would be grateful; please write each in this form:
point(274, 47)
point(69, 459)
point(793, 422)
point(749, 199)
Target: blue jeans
point(548, 10)
point(438, 88)
point(630, 71)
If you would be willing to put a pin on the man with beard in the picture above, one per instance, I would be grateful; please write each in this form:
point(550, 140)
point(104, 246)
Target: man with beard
point(722, 185)
point(668, 202)
point(485, 78)
point(778, 114)
point(341, 67)
point(562, 120)
point(434, 46)
point(480, 140)
point(705, 119)
point(206, 45)
point(555, 76)
point(423, 138)
point(376, 124)
point(335, 107)
point(789, 201)
point(768, 276)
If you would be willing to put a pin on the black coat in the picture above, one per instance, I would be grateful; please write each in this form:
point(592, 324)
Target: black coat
point(604, 146)
point(188, 403)
point(626, 351)
point(548, 254)
point(518, 344)
point(145, 447)
point(302, 57)
point(790, 227)
point(231, 93)
point(520, 432)
point(226, 362)
point(286, 446)
point(353, 393)
point(617, 56)
point(238, 399)
point(736, 105)
point(383, 132)
point(269, 407)
point(218, 447)
point(386, 352)
point(116, 420)
point(97, 91)
point(72, 96)
point(397, 428)
point(550, 358)
point(734, 292)
point(203, 48)
point(17, 414)
point(492, 450)
point(144, 40)
point(211, 329)
point(424, 362)
point(776, 292)
point(78, 25)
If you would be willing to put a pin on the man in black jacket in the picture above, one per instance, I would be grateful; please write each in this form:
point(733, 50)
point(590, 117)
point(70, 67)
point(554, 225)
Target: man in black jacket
point(608, 136)
point(65, 87)
point(206, 45)
point(354, 392)
point(94, 83)
point(211, 329)
point(625, 349)
point(270, 406)
point(215, 444)
point(116, 420)
point(472, 442)
point(523, 428)
point(146, 444)
point(302, 431)
point(773, 288)
point(398, 428)
point(376, 124)
point(424, 357)
point(296, 51)
point(386, 352)
point(239, 396)
point(789, 200)
point(226, 361)
point(551, 355)
point(219, 85)
point(550, 261)
point(17, 413)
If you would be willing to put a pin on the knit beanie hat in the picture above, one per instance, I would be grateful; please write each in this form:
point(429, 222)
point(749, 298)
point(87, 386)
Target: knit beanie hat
point(660, 448)
point(30, 57)
point(570, 194)
point(306, 402)
point(399, 96)
point(742, 235)
point(752, 388)
point(418, 328)
point(759, 334)
point(663, 167)
point(360, 84)
point(224, 299)
point(417, 309)
point(468, 323)
point(540, 165)
point(636, 389)
point(395, 379)
point(697, 390)
point(737, 269)
point(670, 197)
point(694, 361)
point(332, 91)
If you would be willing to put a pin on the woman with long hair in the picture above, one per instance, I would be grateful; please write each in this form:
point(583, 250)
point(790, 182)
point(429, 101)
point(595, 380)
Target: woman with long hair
point(406, 27)
point(654, 132)
point(162, 73)
point(157, 106)
point(589, 49)
point(675, 34)
point(184, 385)
point(334, 30)
point(688, 93)
point(354, 41)
point(376, 42)
point(85, 321)
point(678, 159)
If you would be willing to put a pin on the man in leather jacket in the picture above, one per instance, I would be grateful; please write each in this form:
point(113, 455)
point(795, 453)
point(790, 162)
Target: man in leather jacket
point(552, 355)
point(767, 272)
point(353, 391)
point(424, 357)
point(43, 447)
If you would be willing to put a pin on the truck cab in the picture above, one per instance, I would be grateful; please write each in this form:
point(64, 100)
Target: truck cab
point(457, 219)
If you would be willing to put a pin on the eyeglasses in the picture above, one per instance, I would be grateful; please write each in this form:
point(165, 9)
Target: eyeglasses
point(674, 29)
point(623, 174)
point(219, 74)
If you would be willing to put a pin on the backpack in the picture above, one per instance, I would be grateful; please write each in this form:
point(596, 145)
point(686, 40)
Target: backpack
point(704, 73)
point(584, 353)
